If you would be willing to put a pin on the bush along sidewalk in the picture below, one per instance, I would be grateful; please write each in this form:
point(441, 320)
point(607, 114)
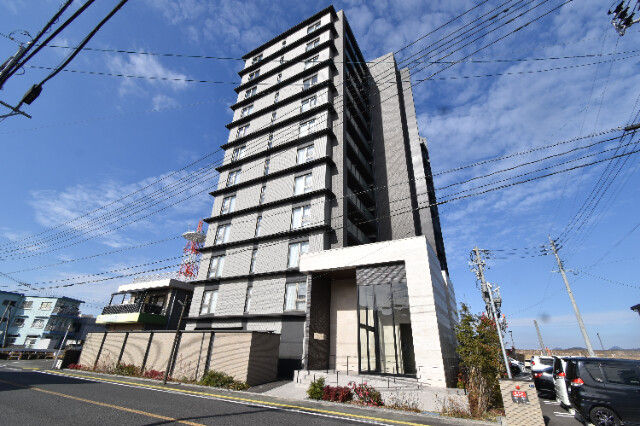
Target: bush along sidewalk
point(361, 394)
point(210, 378)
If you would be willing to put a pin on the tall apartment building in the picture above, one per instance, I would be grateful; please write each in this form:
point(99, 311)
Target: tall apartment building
point(323, 156)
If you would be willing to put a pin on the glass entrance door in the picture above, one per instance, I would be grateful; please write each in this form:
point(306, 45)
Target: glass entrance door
point(386, 338)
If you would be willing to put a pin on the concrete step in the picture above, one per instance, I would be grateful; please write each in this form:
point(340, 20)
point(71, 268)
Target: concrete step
point(333, 378)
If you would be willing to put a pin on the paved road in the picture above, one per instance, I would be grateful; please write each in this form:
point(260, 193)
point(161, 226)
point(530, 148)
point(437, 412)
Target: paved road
point(30, 397)
point(554, 414)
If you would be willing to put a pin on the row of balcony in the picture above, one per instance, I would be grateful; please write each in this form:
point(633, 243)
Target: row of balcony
point(131, 308)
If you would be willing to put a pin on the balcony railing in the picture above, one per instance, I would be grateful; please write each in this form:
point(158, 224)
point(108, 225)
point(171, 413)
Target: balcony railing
point(132, 308)
point(66, 311)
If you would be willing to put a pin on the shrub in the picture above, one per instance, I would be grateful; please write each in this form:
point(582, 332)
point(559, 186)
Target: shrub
point(76, 367)
point(316, 389)
point(337, 394)
point(154, 374)
point(366, 395)
point(127, 370)
point(219, 379)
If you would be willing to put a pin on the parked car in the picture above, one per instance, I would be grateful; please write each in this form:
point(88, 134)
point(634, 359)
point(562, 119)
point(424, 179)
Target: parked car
point(517, 367)
point(541, 372)
point(605, 391)
point(559, 382)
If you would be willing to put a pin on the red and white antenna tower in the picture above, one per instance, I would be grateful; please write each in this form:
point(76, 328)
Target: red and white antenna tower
point(191, 256)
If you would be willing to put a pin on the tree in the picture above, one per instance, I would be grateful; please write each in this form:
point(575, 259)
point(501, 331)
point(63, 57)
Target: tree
point(480, 361)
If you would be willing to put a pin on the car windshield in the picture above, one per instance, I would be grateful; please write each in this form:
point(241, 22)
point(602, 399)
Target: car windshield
point(546, 361)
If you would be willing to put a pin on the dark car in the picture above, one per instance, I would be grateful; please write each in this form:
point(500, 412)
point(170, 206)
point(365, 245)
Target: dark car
point(542, 374)
point(605, 391)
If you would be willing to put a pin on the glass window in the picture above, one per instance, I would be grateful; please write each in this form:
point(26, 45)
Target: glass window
point(284, 43)
point(209, 300)
point(308, 103)
point(247, 302)
point(215, 267)
point(258, 225)
point(304, 154)
point(311, 61)
point(295, 250)
point(45, 306)
point(228, 204)
point(311, 28)
point(263, 192)
point(246, 111)
point(266, 166)
point(312, 44)
point(250, 92)
point(302, 184)
point(306, 127)
point(274, 115)
point(37, 323)
point(295, 296)
point(256, 59)
point(308, 82)
point(254, 256)
point(593, 369)
point(222, 234)
point(276, 96)
point(238, 153)
point(300, 217)
point(282, 59)
point(242, 131)
point(621, 374)
point(254, 74)
point(18, 322)
point(27, 304)
point(279, 78)
point(234, 177)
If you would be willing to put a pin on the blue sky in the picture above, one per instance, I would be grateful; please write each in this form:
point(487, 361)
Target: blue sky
point(94, 139)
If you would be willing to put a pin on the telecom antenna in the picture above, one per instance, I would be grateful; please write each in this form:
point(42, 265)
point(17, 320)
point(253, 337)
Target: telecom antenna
point(191, 257)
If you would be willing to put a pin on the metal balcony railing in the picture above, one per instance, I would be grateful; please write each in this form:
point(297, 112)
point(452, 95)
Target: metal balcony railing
point(132, 308)
point(66, 311)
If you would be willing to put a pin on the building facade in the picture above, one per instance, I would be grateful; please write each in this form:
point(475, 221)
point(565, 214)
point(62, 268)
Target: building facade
point(323, 154)
point(39, 322)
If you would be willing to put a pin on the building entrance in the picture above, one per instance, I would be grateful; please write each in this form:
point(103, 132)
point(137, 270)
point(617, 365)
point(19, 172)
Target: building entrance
point(384, 323)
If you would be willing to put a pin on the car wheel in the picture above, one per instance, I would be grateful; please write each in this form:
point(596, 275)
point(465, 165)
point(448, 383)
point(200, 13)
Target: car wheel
point(602, 416)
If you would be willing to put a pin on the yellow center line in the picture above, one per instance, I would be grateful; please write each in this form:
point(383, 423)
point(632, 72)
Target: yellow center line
point(104, 404)
point(234, 398)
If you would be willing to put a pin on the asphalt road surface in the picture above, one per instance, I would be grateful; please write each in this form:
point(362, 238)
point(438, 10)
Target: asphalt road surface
point(32, 397)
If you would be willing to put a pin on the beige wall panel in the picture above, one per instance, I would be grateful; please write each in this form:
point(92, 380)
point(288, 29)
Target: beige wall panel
point(191, 356)
point(90, 349)
point(135, 348)
point(159, 351)
point(230, 354)
point(111, 350)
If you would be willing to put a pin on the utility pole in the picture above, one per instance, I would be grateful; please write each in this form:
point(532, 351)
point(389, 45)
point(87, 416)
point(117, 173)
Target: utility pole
point(6, 326)
point(539, 337)
point(64, 339)
point(490, 302)
point(513, 344)
point(604, 352)
point(175, 340)
point(573, 301)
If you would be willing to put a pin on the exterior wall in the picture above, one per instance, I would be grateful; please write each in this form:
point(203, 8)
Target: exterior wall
point(343, 325)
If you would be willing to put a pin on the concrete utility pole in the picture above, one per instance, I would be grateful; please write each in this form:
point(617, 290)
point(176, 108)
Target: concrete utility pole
point(604, 352)
point(542, 346)
point(6, 326)
point(174, 347)
point(573, 301)
point(487, 296)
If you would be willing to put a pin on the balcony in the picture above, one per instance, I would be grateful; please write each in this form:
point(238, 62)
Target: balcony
point(132, 313)
point(71, 312)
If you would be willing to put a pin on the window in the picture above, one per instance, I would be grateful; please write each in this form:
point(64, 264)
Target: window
point(242, 131)
point(215, 267)
point(302, 184)
point(30, 341)
point(295, 296)
point(284, 43)
point(258, 225)
point(276, 96)
point(312, 44)
point(254, 256)
point(274, 115)
point(282, 59)
point(27, 304)
point(263, 192)
point(37, 323)
point(304, 154)
point(266, 166)
point(306, 127)
point(238, 153)
point(256, 59)
point(300, 217)
point(222, 234)
point(295, 250)
point(209, 300)
point(311, 28)
point(228, 204)
point(234, 177)
point(246, 110)
point(270, 140)
point(254, 74)
point(45, 306)
point(621, 374)
point(247, 301)
point(311, 61)
point(250, 92)
point(11, 340)
point(279, 79)
point(308, 103)
point(18, 322)
point(308, 82)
